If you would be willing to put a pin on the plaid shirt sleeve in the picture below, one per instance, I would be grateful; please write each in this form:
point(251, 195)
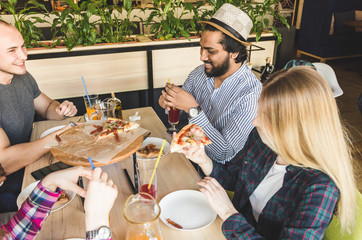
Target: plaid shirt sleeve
point(27, 222)
point(309, 220)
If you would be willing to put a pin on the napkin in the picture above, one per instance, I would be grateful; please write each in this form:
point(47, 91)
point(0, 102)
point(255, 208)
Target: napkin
point(135, 117)
point(79, 142)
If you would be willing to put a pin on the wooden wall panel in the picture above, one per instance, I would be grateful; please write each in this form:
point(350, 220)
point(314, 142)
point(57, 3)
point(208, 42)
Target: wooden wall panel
point(175, 64)
point(119, 72)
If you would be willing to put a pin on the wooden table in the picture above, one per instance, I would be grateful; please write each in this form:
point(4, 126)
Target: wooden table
point(175, 172)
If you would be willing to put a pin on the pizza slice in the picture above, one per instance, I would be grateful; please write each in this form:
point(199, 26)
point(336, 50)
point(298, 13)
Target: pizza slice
point(149, 151)
point(190, 135)
point(63, 198)
point(119, 125)
point(112, 127)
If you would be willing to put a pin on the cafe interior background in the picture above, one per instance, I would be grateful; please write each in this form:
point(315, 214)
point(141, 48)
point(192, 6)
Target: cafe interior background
point(137, 70)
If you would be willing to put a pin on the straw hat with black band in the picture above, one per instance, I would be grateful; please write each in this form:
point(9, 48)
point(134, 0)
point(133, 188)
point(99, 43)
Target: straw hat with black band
point(233, 22)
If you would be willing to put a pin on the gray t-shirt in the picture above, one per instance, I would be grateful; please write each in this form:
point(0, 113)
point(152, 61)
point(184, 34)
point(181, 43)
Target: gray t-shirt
point(17, 107)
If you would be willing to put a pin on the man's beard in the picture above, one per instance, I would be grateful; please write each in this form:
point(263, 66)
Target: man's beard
point(218, 71)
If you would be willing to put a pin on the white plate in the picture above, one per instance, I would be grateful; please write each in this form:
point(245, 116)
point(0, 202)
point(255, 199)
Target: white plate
point(188, 208)
point(158, 142)
point(26, 192)
point(50, 130)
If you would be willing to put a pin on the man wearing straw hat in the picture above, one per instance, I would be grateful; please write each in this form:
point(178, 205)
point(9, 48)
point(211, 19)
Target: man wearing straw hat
point(221, 95)
point(20, 98)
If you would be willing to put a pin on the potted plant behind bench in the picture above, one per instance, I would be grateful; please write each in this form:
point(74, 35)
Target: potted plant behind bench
point(114, 28)
point(121, 67)
point(25, 21)
point(167, 19)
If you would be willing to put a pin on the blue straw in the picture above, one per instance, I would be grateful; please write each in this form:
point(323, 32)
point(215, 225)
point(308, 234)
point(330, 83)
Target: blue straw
point(86, 92)
point(91, 163)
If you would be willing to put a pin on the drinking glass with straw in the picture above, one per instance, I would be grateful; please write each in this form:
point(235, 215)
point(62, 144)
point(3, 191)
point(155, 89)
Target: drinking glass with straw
point(90, 102)
point(148, 177)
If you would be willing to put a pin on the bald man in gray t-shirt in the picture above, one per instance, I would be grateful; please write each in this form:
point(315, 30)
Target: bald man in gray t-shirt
point(20, 99)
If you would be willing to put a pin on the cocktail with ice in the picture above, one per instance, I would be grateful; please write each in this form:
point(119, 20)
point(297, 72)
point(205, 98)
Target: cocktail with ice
point(91, 103)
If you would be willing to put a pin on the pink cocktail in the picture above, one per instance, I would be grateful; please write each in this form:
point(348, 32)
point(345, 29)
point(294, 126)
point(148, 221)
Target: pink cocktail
point(174, 115)
point(173, 119)
point(151, 191)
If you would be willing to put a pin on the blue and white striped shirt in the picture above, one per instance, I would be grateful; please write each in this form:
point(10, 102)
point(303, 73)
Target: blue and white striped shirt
point(227, 112)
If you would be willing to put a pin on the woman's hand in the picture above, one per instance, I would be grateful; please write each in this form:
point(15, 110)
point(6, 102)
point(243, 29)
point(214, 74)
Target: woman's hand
point(217, 197)
point(67, 179)
point(197, 155)
point(101, 194)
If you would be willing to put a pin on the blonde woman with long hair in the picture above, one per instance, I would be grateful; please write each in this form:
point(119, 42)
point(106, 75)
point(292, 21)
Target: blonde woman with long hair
point(295, 170)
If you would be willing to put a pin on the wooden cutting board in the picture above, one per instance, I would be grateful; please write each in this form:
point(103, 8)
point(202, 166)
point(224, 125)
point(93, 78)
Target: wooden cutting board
point(73, 160)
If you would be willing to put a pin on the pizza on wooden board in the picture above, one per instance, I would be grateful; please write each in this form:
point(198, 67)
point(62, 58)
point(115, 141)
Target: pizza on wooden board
point(77, 144)
point(190, 135)
point(112, 127)
point(149, 151)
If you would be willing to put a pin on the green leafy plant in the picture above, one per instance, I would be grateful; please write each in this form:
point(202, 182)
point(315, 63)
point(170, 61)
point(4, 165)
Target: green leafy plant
point(75, 26)
point(26, 23)
point(197, 14)
point(258, 12)
point(218, 3)
point(114, 29)
point(166, 20)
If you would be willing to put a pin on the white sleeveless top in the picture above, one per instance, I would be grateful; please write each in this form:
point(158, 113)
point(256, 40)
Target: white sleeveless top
point(272, 182)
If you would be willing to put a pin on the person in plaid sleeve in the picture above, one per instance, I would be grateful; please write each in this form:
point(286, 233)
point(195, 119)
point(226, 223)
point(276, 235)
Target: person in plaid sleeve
point(295, 170)
point(100, 196)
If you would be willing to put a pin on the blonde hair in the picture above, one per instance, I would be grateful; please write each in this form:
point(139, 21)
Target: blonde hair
point(303, 126)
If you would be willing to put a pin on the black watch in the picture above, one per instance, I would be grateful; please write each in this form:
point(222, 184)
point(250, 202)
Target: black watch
point(103, 232)
point(194, 111)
